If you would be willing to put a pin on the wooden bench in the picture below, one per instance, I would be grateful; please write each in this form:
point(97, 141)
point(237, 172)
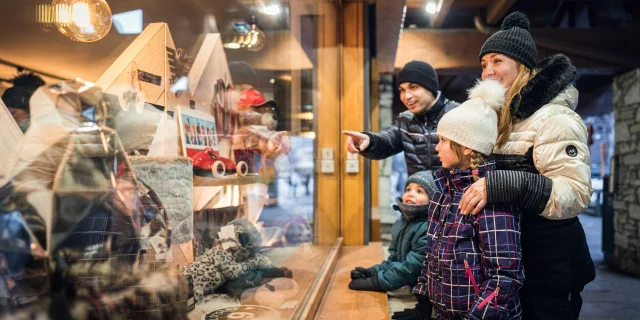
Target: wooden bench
point(339, 302)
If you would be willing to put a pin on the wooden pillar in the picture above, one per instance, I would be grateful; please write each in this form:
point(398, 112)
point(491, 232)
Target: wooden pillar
point(327, 226)
point(352, 111)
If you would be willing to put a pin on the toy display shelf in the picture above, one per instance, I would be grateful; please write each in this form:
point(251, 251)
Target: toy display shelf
point(229, 180)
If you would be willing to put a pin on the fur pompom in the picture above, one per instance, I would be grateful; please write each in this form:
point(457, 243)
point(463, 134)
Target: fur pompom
point(491, 92)
point(516, 19)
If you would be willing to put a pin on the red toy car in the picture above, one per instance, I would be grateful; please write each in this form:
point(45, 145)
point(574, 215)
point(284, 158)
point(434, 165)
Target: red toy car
point(208, 162)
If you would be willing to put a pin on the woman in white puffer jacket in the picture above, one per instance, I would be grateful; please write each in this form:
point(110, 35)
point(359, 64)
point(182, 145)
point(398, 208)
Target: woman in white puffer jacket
point(543, 167)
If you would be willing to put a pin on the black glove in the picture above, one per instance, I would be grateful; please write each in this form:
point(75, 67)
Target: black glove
point(421, 311)
point(360, 272)
point(364, 285)
point(277, 273)
point(272, 273)
point(408, 314)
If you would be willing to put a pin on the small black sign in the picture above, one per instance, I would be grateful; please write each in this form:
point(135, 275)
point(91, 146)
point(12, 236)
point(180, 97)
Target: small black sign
point(192, 104)
point(572, 151)
point(150, 78)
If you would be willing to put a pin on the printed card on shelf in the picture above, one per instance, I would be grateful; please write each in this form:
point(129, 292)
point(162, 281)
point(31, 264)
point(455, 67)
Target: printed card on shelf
point(159, 244)
point(227, 236)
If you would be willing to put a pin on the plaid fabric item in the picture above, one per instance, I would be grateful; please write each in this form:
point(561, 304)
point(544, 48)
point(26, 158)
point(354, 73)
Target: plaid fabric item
point(473, 268)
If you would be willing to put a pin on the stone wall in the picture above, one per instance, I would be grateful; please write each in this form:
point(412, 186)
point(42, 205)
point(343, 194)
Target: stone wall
point(626, 99)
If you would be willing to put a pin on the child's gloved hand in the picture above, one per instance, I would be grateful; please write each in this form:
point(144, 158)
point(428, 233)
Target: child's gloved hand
point(364, 285)
point(421, 311)
point(360, 273)
point(408, 314)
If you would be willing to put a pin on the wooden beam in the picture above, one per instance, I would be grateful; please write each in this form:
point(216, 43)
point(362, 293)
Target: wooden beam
point(388, 27)
point(441, 48)
point(416, 3)
point(352, 118)
point(460, 4)
point(443, 11)
point(590, 53)
point(497, 9)
point(457, 49)
point(327, 216)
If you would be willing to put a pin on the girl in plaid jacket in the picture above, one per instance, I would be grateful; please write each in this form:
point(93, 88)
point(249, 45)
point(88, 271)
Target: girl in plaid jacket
point(473, 267)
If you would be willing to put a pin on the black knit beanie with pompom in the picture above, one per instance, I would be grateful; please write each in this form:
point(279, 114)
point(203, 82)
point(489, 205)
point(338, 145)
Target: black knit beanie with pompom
point(513, 40)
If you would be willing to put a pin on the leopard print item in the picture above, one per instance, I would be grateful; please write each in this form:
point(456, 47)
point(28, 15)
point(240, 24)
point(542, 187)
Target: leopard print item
point(213, 268)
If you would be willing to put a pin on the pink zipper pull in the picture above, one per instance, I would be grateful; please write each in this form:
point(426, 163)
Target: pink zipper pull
point(466, 266)
point(493, 296)
point(469, 274)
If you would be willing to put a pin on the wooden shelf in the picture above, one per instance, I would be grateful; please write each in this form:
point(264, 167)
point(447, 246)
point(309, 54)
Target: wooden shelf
point(230, 180)
point(340, 302)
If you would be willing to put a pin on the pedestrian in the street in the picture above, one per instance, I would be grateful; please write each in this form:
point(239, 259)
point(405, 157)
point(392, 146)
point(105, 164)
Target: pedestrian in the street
point(543, 167)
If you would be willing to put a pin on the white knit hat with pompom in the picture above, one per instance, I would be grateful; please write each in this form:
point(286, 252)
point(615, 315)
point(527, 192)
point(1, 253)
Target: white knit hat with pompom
point(474, 124)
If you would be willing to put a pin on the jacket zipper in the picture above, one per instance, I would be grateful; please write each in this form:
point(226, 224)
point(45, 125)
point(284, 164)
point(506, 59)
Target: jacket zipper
point(493, 296)
point(428, 164)
point(469, 275)
point(404, 230)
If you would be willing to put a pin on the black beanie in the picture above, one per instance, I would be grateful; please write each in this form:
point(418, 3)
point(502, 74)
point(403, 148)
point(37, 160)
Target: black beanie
point(421, 73)
point(513, 40)
point(24, 86)
point(243, 73)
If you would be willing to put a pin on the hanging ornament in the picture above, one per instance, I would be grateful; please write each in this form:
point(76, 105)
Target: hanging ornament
point(134, 97)
point(83, 20)
point(255, 38)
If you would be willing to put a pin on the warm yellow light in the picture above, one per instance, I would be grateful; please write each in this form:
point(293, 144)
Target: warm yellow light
point(83, 20)
point(63, 14)
point(258, 38)
point(80, 14)
point(432, 7)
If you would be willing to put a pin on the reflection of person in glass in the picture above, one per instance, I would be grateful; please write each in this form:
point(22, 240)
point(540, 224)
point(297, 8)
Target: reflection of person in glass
point(206, 136)
point(194, 134)
point(17, 97)
point(258, 117)
point(212, 136)
point(198, 141)
point(203, 135)
point(187, 132)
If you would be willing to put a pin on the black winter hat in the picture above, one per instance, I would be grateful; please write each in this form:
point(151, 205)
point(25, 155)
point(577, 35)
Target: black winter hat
point(513, 40)
point(421, 73)
point(24, 86)
point(243, 73)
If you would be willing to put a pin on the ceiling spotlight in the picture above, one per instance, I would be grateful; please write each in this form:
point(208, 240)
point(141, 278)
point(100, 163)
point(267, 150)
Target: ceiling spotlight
point(272, 9)
point(432, 8)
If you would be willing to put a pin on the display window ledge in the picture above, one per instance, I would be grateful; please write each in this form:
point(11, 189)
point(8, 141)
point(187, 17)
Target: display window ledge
point(282, 298)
